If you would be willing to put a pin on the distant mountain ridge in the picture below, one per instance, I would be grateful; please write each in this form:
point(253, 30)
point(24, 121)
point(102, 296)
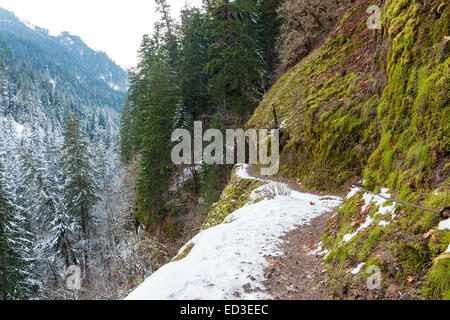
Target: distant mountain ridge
point(66, 61)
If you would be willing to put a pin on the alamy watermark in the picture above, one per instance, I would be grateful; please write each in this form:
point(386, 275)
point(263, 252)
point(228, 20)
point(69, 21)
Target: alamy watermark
point(73, 280)
point(263, 147)
point(374, 281)
point(374, 20)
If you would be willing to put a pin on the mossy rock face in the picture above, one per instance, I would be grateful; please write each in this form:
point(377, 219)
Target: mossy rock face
point(328, 107)
point(438, 286)
point(374, 105)
point(234, 196)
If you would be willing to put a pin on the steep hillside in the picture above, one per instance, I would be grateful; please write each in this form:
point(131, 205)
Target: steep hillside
point(29, 103)
point(366, 114)
point(43, 80)
point(66, 61)
point(374, 105)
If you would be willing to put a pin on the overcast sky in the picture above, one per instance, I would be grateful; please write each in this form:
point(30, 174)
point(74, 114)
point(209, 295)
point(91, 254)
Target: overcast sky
point(113, 26)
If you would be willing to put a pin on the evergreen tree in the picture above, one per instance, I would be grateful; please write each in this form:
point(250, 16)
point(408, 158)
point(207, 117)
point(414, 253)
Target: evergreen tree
point(54, 247)
point(192, 63)
point(162, 102)
point(80, 187)
point(269, 24)
point(236, 65)
point(30, 175)
point(166, 31)
point(13, 276)
point(214, 66)
point(127, 142)
point(134, 109)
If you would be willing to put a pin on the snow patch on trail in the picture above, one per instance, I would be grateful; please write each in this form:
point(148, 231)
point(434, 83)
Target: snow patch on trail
point(227, 257)
point(319, 250)
point(242, 172)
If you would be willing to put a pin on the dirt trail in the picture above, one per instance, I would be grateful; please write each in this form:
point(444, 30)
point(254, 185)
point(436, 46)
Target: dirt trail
point(298, 275)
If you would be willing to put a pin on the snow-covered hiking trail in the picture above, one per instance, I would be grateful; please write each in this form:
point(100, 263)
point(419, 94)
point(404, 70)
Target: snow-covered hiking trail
point(230, 260)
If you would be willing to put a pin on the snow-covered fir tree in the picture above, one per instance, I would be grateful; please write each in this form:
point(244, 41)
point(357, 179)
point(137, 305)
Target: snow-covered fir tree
point(15, 255)
point(80, 183)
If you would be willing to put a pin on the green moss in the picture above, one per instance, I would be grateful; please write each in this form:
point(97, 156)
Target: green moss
point(441, 242)
point(424, 221)
point(327, 239)
point(414, 258)
point(370, 243)
point(325, 112)
point(337, 256)
point(184, 253)
point(438, 281)
point(339, 129)
point(233, 197)
point(388, 160)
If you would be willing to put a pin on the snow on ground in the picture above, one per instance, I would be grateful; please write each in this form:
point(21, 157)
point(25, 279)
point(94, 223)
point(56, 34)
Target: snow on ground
point(242, 172)
point(358, 268)
point(352, 193)
point(375, 200)
point(366, 224)
point(444, 225)
point(378, 201)
point(318, 251)
point(383, 223)
point(231, 255)
point(185, 176)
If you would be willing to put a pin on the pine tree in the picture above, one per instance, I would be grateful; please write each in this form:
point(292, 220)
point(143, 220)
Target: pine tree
point(54, 247)
point(30, 176)
point(166, 30)
point(192, 63)
point(127, 142)
point(236, 65)
point(80, 187)
point(13, 276)
point(214, 65)
point(134, 109)
point(156, 163)
point(269, 24)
